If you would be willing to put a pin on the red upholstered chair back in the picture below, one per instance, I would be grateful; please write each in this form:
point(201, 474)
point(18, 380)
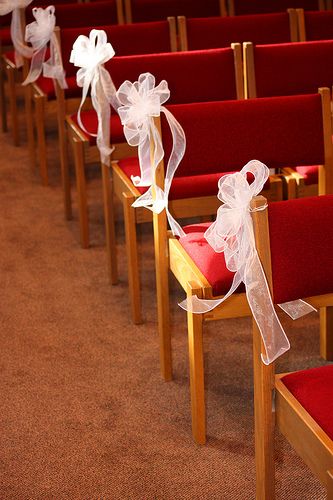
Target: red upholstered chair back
point(191, 76)
point(224, 136)
point(318, 25)
point(142, 38)
point(207, 33)
point(73, 15)
point(152, 10)
point(238, 7)
point(293, 68)
point(301, 238)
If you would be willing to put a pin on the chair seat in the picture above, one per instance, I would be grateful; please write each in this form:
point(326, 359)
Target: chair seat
point(89, 120)
point(182, 187)
point(211, 264)
point(47, 87)
point(5, 37)
point(10, 55)
point(310, 174)
point(313, 389)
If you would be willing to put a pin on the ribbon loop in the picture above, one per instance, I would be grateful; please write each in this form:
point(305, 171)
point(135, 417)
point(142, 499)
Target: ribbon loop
point(141, 101)
point(90, 54)
point(232, 233)
point(16, 28)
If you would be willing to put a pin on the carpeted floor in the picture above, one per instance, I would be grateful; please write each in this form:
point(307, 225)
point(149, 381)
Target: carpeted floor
point(84, 412)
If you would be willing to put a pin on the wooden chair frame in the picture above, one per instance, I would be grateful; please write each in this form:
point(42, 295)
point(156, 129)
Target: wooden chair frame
point(303, 433)
point(250, 92)
point(301, 20)
point(231, 6)
point(129, 17)
point(182, 29)
point(169, 254)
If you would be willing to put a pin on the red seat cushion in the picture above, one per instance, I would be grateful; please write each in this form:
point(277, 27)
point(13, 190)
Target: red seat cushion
point(211, 264)
point(89, 120)
point(313, 388)
point(310, 174)
point(182, 187)
point(10, 55)
point(46, 85)
point(5, 37)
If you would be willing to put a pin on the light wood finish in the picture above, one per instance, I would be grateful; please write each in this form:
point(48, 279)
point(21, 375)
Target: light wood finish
point(128, 11)
point(231, 7)
point(326, 172)
point(3, 104)
point(111, 248)
point(326, 333)
point(120, 12)
point(301, 25)
point(173, 34)
point(10, 72)
point(182, 32)
point(223, 8)
point(132, 258)
point(293, 25)
point(250, 87)
point(40, 102)
point(237, 50)
point(263, 374)
point(196, 362)
point(81, 192)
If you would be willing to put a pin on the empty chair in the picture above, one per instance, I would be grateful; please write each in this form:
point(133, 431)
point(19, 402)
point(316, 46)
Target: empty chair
point(232, 133)
point(315, 25)
point(303, 409)
point(240, 7)
point(272, 70)
point(214, 32)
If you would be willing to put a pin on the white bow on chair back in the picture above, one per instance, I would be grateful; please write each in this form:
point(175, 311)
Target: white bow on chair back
point(232, 233)
point(90, 54)
point(39, 33)
point(16, 28)
point(140, 102)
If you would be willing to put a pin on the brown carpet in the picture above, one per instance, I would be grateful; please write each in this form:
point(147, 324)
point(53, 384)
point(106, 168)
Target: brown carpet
point(84, 412)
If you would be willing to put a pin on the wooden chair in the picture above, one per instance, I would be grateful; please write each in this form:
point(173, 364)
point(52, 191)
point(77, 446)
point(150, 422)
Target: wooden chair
point(303, 409)
point(214, 32)
point(240, 134)
point(223, 80)
point(272, 70)
point(241, 7)
point(68, 15)
point(315, 25)
point(146, 10)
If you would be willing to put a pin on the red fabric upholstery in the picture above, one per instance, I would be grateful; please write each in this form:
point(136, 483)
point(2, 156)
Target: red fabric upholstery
point(183, 71)
point(319, 25)
point(152, 10)
point(10, 56)
point(213, 32)
point(260, 7)
point(89, 120)
point(149, 38)
point(313, 388)
point(293, 68)
point(309, 173)
point(47, 86)
point(226, 135)
point(5, 38)
point(211, 264)
point(182, 187)
point(301, 270)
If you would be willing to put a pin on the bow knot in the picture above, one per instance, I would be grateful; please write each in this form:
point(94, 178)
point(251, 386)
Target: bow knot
point(90, 54)
point(16, 28)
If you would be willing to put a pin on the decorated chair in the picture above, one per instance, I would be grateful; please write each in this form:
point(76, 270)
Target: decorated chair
point(150, 10)
point(197, 267)
point(214, 32)
point(272, 70)
point(315, 25)
point(298, 403)
point(241, 7)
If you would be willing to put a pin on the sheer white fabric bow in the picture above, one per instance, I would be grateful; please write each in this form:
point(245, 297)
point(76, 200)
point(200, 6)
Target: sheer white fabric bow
point(90, 54)
point(16, 28)
point(232, 233)
point(39, 33)
point(140, 102)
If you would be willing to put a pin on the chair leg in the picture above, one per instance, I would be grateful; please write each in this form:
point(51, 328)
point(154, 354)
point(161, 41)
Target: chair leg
point(81, 184)
point(132, 258)
point(13, 105)
point(162, 289)
point(30, 126)
point(264, 421)
point(40, 102)
point(4, 126)
point(196, 361)
point(64, 167)
point(110, 234)
point(326, 333)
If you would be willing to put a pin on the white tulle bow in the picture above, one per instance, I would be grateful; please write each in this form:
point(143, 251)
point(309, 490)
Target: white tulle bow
point(232, 233)
point(39, 33)
point(90, 54)
point(140, 102)
point(16, 28)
